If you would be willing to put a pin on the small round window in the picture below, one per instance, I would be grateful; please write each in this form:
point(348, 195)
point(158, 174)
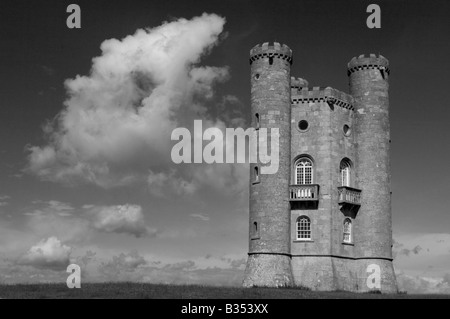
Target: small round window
point(347, 130)
point(257, 77)
point(303, 125)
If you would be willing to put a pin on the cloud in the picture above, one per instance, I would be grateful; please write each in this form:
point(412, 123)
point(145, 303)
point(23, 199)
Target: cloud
point(127, 219)
point(47, 254)
point(54, 218)
point(424, 267)
point(218, 273)
point(117, 121)
point(123, 267)
point(200, 217)
point(422, 284)
point(166, 184)
point(4, 200)
point(399, 250)
point(135, 268)
point(51, 207)
point(416, 249)
point(48, 70)
point(87, 258)
point(77, 225)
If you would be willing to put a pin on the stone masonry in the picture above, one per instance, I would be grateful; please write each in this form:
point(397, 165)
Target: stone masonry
point(327, 127)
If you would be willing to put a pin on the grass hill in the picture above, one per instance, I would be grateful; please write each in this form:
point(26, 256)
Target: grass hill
point(152, 291)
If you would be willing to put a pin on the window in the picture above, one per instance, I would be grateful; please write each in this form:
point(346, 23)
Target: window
point(347, 130)
point(345, 169)
point(256, 176)
point(304, 171)
point(255, 231)
point(303, 228)
point(257, 121)
point(347, 230)
point(303, 125)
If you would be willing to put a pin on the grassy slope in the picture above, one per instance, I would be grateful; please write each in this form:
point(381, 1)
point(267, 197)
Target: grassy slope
point(149, 291)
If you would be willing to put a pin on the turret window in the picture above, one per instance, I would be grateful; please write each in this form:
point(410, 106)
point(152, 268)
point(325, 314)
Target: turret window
point(255, 231)
point(303, 228)
point(347, 230)
point(304, 171)
point(345, 169)
point(256, 175)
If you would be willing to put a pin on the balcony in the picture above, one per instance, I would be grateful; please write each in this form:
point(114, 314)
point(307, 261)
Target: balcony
point(304, 193)
point(349, 196)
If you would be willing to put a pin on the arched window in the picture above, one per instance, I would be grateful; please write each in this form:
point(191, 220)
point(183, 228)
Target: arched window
point(304, 171)
point(345, 169)
point(303, 228)
point(347, 230)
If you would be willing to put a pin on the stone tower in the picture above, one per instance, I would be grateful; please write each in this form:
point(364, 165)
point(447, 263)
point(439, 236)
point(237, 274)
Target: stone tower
point(369, 86)
point(323, 221)
point(269, 262)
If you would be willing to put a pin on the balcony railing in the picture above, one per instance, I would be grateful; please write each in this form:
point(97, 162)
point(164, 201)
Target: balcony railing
point(349, 195)
point(304, 192)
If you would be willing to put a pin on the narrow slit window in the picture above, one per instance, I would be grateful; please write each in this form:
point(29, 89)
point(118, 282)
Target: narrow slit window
point(347, 230)
point(256, 177)
point(257, 121)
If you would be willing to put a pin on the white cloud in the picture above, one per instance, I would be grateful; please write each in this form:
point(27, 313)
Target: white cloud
point(121, 116)
point(47, 254)
point(127, 219)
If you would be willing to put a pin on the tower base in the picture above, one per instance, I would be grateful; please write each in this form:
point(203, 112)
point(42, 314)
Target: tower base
point(388, 281)
point(266, 270)
point(328, 273)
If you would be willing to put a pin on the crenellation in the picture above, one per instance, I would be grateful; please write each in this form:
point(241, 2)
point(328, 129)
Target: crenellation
point(271, 51)
point(367, 62)
point(327, 94)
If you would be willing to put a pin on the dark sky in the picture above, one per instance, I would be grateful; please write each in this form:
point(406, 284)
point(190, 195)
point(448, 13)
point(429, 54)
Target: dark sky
point(38, 53)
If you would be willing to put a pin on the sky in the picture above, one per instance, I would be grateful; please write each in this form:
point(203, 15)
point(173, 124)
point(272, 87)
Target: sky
point(86, 117)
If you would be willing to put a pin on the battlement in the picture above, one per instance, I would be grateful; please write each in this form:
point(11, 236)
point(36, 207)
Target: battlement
point(370, 61)
point(297, 83)
point(276, 50)
point(328, 94)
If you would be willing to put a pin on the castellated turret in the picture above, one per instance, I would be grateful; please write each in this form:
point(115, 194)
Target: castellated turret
point(269, 263)
point(369, 85)
point(323, 221)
